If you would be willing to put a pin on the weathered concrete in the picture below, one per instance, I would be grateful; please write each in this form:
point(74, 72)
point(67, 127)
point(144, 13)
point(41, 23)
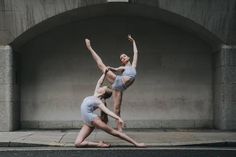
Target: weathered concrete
point(215, 16)
point(213, 21)
point(118, 152)
point(9, 110)
point(151, 137)
point(57, 72)
point(225, 80)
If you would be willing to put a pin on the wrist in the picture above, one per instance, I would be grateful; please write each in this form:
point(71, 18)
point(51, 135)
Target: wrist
point(106, 70)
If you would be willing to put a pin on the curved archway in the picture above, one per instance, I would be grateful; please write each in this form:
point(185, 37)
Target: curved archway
point(114, 9)
point(174, 84)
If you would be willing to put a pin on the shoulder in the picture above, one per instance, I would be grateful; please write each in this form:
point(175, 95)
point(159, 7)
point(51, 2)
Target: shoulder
point(97, 100)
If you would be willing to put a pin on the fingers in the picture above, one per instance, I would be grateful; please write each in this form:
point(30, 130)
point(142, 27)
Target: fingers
point(87, 42)
point(130, 38)
point(122, 123)
point(106, 70)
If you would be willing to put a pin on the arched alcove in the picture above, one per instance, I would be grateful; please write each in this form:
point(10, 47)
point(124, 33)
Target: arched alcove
point(173, 88)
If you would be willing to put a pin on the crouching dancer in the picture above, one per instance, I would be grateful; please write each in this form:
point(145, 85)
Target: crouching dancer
point(91, 120)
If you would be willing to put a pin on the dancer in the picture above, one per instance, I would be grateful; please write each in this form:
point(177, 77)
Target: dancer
point(91, 120)
point(119, 82)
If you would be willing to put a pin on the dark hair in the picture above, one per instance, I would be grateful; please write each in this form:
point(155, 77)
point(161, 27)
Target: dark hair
point(120, 59)
point(107, 94)
point(103, 115)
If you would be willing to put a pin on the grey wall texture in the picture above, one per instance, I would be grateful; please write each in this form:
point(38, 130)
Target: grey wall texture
point(186, 78)
point(224, 87)
point(214, 15)
point(9, 104)
point(174, 83)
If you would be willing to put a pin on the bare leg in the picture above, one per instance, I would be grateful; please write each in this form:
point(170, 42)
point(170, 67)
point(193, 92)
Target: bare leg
point(100, 124)
point(85, 132)
point(117, 96)
point(110, 75)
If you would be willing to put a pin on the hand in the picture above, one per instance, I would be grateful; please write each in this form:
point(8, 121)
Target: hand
point(130, 38)
point(106, 70)
point(121, 122)
point(108, 67)
point(88, 43)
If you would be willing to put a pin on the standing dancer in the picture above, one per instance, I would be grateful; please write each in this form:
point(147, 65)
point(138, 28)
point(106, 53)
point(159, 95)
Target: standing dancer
point(91, 120)
point(119, 82)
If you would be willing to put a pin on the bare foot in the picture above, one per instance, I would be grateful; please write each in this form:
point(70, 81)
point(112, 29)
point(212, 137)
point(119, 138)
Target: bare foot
point(103, 145)
point(141, 145)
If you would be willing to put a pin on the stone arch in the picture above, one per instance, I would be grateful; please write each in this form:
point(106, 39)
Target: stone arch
point(108, 10)
point(116, 9)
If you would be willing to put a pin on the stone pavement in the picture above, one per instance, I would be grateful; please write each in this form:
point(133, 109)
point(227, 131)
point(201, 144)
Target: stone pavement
point(151, 137)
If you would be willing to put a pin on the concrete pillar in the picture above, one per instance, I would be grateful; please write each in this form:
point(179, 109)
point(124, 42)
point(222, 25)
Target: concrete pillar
point(9, 111)
point(225, 88)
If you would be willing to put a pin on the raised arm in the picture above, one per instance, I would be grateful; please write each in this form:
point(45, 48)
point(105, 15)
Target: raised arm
point(135, 50)
point(88, 45)
point(110, 113)
point(100, 81)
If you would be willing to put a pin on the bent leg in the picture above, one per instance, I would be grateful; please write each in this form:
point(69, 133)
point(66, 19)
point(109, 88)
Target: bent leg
point(117, 96)
point(101, 125)
point(110, 76)
point(85, 132)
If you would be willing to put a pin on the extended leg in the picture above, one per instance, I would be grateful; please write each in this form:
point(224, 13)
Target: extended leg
point(110, 75)
point(100, 124)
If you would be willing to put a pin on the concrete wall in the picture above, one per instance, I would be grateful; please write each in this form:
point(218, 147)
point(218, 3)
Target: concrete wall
point(173, 87)
point(212, 20)
point(225, 88)
point(216, 16)
point(9, 105)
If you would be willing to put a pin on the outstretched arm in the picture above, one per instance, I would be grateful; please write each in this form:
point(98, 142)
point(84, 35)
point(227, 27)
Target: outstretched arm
point(100, 81)
point(121, 68)
point(135, 50)
point(110, 113)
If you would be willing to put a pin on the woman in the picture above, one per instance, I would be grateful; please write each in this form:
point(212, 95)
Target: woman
point(119, 82)
point(91, 120)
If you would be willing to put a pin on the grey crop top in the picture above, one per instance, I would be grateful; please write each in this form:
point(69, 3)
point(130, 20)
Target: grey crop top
point(129, 71)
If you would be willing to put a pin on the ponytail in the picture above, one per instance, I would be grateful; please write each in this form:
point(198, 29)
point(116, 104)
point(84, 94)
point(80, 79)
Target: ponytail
point(103, 115)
